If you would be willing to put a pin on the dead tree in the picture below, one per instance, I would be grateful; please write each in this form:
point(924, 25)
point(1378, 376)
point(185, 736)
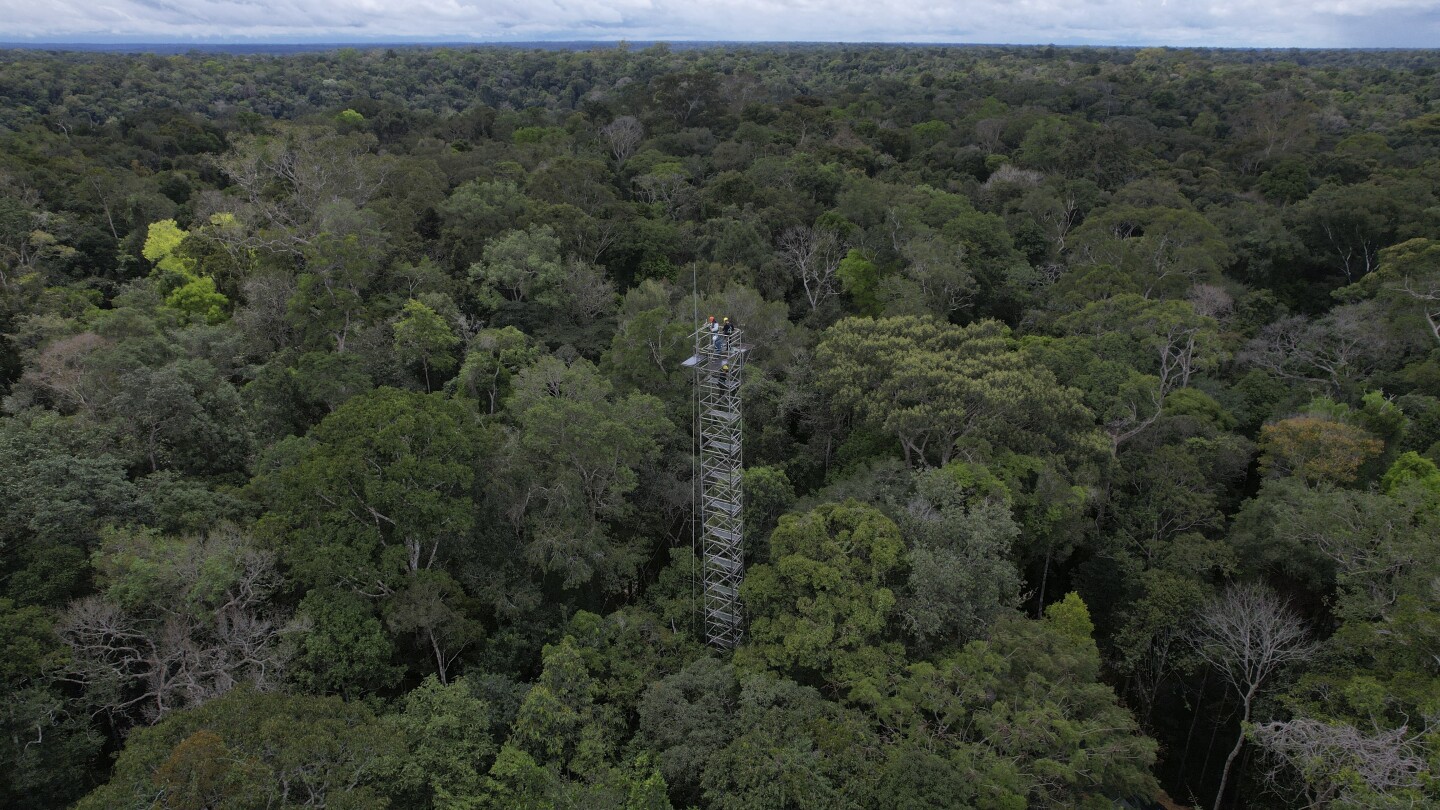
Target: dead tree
point(813, 255)
point(1336, 760)
point(1247, 634)
point(624, 135)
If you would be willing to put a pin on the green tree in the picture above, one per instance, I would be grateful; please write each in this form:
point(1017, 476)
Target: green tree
point(1165, 250)
point(47, 744)
point(492, 360)
point(447, 741)
point(62, 483)
point(380, 489)
point(823, 605)
point(344, 648)
point(959, 533)
point(423, 337)
point(1407, 280)
point(933, 385)
point(567, 467)
point(517, 263)
point(375, 502)
point(251, 749)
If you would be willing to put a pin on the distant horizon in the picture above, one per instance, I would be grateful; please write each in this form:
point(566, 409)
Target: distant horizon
point(1228, 24)
point(138, 44)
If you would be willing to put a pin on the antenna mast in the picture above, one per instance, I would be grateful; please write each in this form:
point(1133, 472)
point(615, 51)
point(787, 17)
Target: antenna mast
point(718, 361)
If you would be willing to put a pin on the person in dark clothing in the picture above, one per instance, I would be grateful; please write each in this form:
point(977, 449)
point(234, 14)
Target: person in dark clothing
point(726, 330)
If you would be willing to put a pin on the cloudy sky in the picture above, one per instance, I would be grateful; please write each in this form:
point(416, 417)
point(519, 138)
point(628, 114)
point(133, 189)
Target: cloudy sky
point(1240, 23)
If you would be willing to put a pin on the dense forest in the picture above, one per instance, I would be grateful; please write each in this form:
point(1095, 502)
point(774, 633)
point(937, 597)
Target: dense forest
point(1092, 427)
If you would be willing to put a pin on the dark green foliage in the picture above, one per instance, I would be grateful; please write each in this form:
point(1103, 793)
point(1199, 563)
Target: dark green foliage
point(356, 376)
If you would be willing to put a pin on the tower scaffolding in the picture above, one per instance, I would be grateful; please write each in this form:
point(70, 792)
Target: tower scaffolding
point(718, 361)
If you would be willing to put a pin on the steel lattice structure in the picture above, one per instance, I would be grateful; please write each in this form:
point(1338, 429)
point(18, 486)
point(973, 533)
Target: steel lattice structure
point(718, 361)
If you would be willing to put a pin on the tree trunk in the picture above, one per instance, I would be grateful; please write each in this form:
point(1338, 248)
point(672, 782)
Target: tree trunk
point(1194, 718)
point(1044, 577)
point(1235, 752)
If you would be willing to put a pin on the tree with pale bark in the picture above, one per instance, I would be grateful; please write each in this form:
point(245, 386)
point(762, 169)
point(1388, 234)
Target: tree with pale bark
point(1248, 634)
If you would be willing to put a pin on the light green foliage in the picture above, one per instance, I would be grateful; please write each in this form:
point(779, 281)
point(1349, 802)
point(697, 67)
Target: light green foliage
point(860, 278)
point(251, 749)
point(198, 301)
point(823, 603)
point(160, 243)
point(1071, 617)
point(186, 289)
point(1412, 469)
point(933, 385)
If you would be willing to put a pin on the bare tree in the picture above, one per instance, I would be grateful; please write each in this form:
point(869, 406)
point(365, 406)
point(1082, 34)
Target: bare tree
point(303, 183)
point(989, 133)
point(668, 187)
point(1248, 634)
point(59, 370)
point(1211, 301)
point(584, 293)
point(624, 134)
point(178, 649)
point(1344, 345)
point(813, 255)
point(1334, 760)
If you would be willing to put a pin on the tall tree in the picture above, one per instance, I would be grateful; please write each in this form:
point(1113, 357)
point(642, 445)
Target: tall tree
point(1247, 634)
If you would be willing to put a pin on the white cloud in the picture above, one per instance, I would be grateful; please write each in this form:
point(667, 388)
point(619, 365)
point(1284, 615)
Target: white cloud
point(1312, 23)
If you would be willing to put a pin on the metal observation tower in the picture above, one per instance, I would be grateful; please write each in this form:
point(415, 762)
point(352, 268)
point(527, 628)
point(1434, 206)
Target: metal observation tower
point(718, 361)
